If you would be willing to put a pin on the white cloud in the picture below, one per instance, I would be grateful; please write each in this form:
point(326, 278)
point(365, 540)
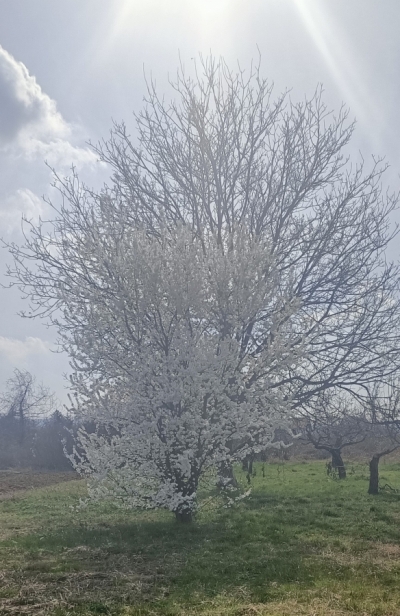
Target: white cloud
point(59, 153)
point(24, 106)
point(18, 350)
point(22, 202)
point(30, 124)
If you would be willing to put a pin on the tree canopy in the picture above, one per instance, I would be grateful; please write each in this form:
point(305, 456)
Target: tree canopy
point(232, 270)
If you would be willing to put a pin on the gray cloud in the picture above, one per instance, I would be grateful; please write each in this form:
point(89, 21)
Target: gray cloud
point(30, 124)
point(24, 107)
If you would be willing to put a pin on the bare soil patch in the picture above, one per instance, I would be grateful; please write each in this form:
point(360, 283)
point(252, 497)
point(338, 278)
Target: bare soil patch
point(14, 482)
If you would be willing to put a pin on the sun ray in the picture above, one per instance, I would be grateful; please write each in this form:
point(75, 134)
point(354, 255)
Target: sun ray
point(345, 68)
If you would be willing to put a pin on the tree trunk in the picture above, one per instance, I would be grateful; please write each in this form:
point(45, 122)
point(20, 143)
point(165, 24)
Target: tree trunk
point(374, 474)
point(21, 425)
point(338, 464)
point(184, 516)
point(247, 464)
point(226, 476)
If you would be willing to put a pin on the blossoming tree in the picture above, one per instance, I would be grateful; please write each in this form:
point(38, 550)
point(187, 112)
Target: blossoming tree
point(163, 363)
point(233, 270)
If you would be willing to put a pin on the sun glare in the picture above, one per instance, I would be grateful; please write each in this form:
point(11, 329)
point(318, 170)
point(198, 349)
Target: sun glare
point(208, 21)
point(345, 69)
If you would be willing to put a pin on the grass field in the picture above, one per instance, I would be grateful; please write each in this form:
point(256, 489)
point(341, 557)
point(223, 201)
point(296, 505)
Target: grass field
point(301, 544)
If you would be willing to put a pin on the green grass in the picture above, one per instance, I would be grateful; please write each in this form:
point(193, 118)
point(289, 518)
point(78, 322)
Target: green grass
point(301, 544)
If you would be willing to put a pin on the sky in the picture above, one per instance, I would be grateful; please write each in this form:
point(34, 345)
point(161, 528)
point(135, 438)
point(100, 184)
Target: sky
point(68, 68)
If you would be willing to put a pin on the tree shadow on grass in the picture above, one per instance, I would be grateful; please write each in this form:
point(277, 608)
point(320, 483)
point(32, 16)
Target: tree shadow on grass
point(162, 561)
point(260, 549)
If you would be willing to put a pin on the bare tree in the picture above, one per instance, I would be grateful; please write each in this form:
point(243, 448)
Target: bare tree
point(383, 409)
point(25, 400)
point(335, 424)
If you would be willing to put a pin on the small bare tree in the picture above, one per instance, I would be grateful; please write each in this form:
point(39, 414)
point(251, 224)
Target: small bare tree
point(384, 412)
point(333, 425)
point(24, 400)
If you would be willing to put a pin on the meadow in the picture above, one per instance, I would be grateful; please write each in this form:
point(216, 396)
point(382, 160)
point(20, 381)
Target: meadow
point(303, 543)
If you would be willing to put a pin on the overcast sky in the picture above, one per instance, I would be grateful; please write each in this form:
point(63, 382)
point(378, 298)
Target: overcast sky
point(67, 67)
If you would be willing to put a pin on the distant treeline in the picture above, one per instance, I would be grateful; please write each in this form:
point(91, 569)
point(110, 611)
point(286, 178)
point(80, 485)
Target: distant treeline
point(40, 443)
point(36, 443)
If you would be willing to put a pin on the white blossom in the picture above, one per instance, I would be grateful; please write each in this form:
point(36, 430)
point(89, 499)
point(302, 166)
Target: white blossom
point(163, 365)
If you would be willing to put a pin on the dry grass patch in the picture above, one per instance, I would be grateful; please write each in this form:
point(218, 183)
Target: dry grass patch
point(389, 551)
point(385, 556)
point(80, 576)
point(13, 482)
point(292, 608)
